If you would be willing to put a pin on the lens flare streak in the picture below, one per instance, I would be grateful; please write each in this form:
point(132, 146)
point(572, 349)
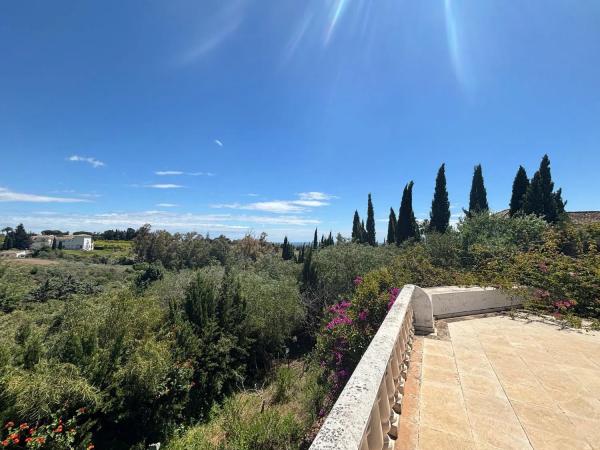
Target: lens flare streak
point(453, 43)
point(336, 14)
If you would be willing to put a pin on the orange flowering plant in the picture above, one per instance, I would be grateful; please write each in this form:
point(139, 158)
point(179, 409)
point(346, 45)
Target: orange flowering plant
point(57, 433)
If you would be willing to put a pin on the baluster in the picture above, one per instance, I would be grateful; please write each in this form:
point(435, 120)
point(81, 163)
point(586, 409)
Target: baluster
point(375, 433)
point(384, 407)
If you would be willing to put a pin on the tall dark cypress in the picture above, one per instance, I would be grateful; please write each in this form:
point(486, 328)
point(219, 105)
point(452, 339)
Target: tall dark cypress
point(309, 271)
point(371, 240)
point(284, 248)
point(407, 227)
point(356, 228)
point(363, 232)
point(478, 198)
point(315, 240)
point(540, 198)
point(560, 203)
point(440, 206)
point(287, 250)
point(391, 234)
point(519, 188)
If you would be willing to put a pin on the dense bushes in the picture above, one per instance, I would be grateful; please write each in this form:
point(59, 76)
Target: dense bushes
point(175, 339)
point(276, 417)
point(522, 252)
point(177, 251)
point(142, 349)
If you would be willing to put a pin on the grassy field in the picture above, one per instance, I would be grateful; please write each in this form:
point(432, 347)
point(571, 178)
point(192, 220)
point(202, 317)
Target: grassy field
point(113, 250)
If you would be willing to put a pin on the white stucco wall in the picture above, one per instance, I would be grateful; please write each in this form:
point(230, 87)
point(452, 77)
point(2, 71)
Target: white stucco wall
point(453, 301)
point(78, 243)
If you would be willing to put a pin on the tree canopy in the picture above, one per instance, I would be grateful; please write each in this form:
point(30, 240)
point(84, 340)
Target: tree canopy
point(440, 206)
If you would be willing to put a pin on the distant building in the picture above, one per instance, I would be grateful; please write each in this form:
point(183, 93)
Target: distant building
point(68, 242)
point(41, 241)
point(75, 242)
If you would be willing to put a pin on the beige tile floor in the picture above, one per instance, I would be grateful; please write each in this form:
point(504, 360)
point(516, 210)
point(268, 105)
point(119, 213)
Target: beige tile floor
point(500, 383)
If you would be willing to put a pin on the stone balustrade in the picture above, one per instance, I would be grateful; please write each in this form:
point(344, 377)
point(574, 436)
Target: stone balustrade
point(366, 413)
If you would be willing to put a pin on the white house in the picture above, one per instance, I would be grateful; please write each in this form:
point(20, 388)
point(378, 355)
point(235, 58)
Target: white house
point(76, 242)
point(69, 242)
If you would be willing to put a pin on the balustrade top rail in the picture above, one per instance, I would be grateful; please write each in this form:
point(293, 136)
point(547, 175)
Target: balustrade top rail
point(364, 413)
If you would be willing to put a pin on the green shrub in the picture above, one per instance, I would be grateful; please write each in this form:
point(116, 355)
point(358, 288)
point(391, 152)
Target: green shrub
point(252, 427)
point(284, 381)
point(554, 279)
point(36, 395)
point(487, 235)
point(274, 313)
point(244, 422)
point(150, 274)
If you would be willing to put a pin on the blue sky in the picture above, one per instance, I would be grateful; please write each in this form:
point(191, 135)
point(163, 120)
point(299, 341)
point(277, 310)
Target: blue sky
point(280, 116)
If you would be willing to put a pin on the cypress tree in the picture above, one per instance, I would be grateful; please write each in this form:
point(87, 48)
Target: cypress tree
point(519, 188)
point(391, 234)
point(287, 250)
point(478, 197)
point(406, 227)
point(540, 198)
point(356, 228)
point(363, 232)
point(315, 240)
point(309, 272)
point(371, 240)
point(560, 203)
point(440, 206)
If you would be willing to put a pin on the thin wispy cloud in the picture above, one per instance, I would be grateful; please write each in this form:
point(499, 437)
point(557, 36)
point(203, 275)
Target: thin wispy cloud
point(305, 201)
point(86, 159)
point(164, 186)
point(89, 195)
point(218, 142)
point(78, 194)
point(201, 174)
point(6, 195)
point(168, 172)
point(175, 173)
point(276, 206)
point(167, 205)
point(316, 196)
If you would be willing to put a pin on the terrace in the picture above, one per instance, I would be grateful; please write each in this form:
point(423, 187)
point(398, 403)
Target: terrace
point(486, 381)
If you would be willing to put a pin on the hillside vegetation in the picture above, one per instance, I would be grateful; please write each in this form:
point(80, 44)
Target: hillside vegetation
point(200, 343)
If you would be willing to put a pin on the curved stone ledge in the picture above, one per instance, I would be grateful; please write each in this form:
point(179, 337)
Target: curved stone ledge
point(364, 413)
point(365, 416)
